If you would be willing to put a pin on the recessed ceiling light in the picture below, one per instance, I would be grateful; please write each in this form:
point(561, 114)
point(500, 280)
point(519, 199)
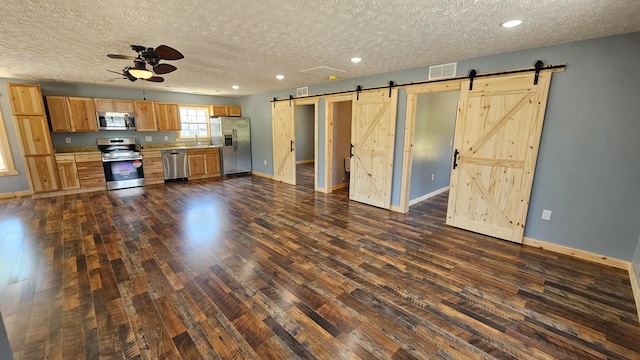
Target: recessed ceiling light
point(356, 59)
point(511, 23)
point(279, 77)
point(236, 87)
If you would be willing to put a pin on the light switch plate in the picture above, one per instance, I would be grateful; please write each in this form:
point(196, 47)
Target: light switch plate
point(148, 138)
point(166, 138)
point(67, 140)
point(546, 214)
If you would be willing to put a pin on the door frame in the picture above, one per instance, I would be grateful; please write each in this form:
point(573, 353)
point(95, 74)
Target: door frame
point(329, 103)
point(309, 101)
point(409, 131)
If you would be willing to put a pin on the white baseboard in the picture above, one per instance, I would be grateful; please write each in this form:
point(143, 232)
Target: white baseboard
point(256, 173)
point(304, 161)
point(580, 254)
point(429, 195)
point(15, 194)
point(635, 286)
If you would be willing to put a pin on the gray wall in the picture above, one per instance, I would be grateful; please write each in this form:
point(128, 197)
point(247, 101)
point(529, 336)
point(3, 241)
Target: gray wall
point(304, 122)
point(435, 121)
point(341, 140)
point(19, 183)
point(586, 173)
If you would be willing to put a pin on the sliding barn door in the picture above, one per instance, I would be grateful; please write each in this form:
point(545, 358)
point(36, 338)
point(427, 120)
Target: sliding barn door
point(373, 130)
point(496, 138)
point(284, 156)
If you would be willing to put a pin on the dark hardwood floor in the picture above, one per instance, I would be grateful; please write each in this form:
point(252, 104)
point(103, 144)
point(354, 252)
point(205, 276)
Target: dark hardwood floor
point(247, 268)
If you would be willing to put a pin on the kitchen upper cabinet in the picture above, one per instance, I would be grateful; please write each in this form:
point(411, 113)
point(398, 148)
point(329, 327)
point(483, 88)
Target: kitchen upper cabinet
point(82, 114)
point(167, 116)
point(67, 172)
point(43, 173)
point(225, 110)
point(145, 115)
point(34, 135)
point(26, 99)
point(104, 105)
point(59, 114)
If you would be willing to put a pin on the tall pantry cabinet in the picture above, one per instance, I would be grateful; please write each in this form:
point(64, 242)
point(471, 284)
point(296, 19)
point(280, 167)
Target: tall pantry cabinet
point(35, 140)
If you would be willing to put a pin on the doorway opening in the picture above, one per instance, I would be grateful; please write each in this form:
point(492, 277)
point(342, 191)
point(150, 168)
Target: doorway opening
point(435, 120)
point(338, 143)
point(304, 118)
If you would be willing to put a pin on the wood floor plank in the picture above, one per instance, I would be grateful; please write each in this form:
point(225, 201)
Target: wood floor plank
point(248, 268)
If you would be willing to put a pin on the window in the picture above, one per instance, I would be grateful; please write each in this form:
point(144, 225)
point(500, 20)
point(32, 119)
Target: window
point(194, 121)
point(6, 161)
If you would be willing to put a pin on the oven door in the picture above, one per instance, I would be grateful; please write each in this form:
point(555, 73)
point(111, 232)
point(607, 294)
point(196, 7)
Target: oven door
point(122, 174)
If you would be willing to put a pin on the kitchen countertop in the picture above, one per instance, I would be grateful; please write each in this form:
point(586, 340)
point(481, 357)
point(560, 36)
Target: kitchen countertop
point(79, 150)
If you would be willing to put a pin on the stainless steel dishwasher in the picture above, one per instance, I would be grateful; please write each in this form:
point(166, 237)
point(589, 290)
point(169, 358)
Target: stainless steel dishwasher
point(175, 165)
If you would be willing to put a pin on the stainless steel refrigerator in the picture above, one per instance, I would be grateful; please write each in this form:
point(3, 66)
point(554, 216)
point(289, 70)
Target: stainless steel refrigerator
point(233, 135)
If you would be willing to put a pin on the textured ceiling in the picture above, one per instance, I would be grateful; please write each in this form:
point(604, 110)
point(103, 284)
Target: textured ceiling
point(246, 43)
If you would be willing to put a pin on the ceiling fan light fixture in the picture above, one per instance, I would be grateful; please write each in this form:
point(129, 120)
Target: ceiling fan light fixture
point(140, 73)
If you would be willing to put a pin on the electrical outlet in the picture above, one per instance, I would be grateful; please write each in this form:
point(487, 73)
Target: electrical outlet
point(166, 138)
point(148, 138)
point(546, 214)
point(265, 162)
point(67, 140)
point(433, 176)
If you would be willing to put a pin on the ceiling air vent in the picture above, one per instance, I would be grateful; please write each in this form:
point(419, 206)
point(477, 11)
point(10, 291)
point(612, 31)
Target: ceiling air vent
point(323, 71)
point(302, 91)
point(442, 71)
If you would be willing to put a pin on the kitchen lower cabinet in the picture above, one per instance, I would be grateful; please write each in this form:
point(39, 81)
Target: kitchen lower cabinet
point(90, 171)
point(43, 173)
point(152, 165)
point(67, 172)
point(203, 163)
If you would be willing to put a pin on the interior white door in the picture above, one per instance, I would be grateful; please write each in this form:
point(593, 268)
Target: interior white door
point(373, 131)
point(497, 137)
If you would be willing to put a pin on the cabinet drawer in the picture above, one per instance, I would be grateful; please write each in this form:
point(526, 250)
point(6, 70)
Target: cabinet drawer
point(89, 157)
point(65, 158)
point(152, 154)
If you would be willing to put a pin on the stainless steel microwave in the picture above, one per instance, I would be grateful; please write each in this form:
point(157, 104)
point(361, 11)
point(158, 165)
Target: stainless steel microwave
point(116, 121)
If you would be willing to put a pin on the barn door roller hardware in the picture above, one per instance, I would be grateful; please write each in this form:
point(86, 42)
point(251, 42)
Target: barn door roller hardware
point(472, 74)
point(358, 89)
point(290, 99)
point(391, 85)
point(538, 66)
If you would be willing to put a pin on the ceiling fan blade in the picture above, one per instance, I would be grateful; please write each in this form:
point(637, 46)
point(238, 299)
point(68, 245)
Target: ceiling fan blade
point(168, 53)
point(154, 79)
point(121, 57)
point(164, 69)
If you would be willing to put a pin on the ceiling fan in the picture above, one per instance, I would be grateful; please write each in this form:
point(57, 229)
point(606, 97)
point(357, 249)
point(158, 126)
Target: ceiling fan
point(149, 56)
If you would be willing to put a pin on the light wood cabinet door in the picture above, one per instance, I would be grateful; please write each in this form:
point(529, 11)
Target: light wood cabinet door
point(234, 110)
point(103, 105)
point(43, 173)
point(90, 173)
point(34, 133)
point(25, 99)
point(82, 114)
point(145, 115)
point(212, 162)
point(68, 175)
point(196, 165)
point(218, 110)
point(59, 113)
point(167, 116)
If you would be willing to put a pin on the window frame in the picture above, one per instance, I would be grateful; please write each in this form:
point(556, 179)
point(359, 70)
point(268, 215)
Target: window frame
point(5, 151)
point(179, 136)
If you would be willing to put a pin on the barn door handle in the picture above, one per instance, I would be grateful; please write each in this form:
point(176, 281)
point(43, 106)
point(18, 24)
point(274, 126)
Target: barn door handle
point(291, 146)
point(455, 158)
point(351, 151)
